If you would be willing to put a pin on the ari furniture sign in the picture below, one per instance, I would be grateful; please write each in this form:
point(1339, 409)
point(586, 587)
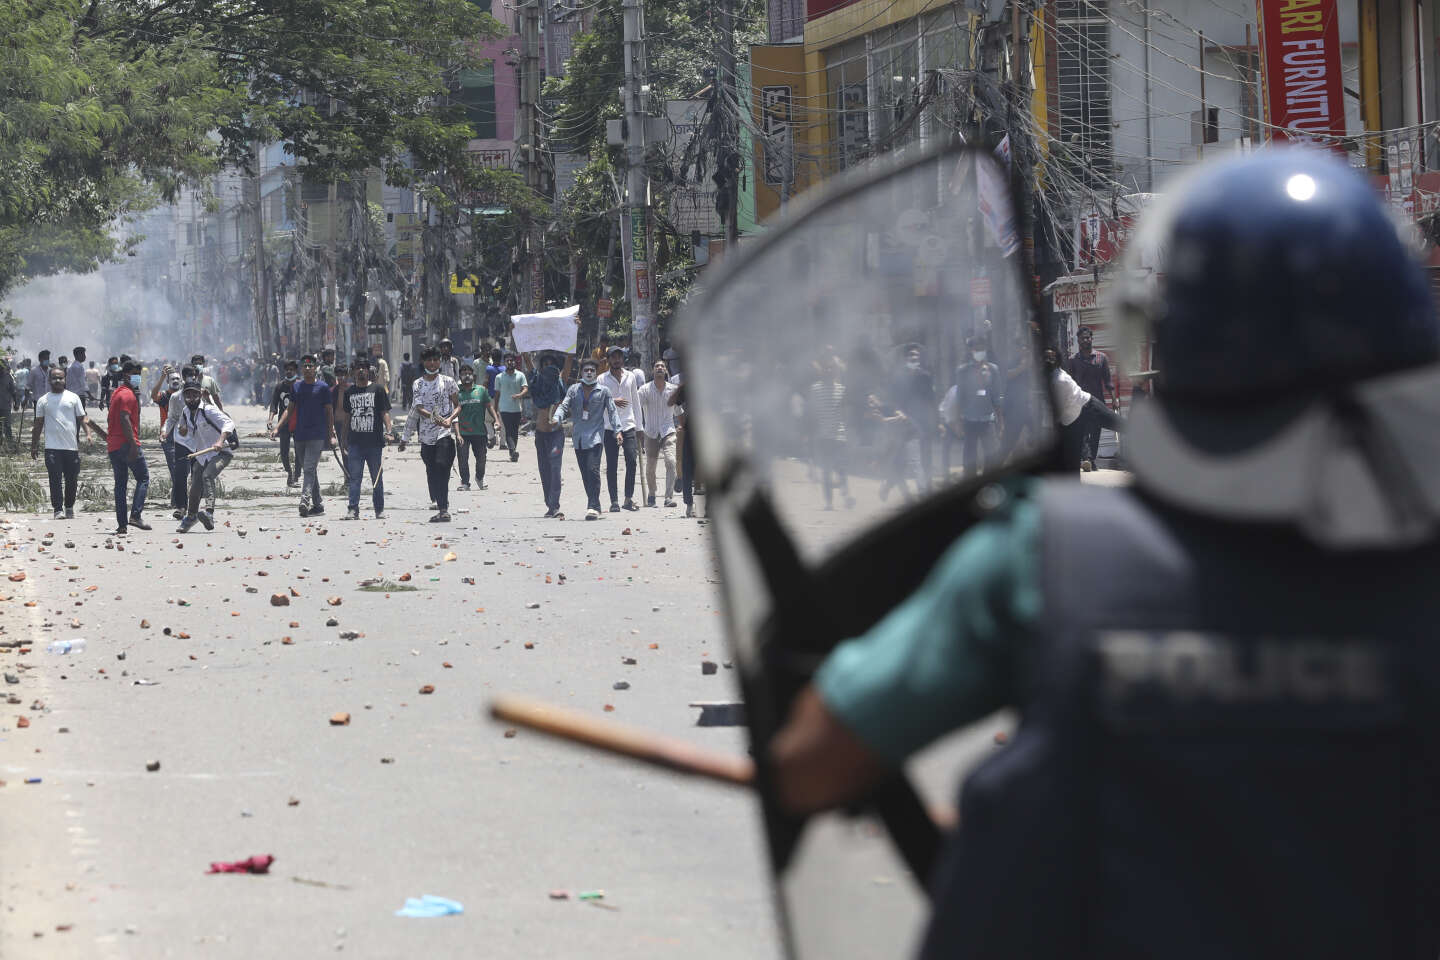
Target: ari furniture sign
point(1300, 65)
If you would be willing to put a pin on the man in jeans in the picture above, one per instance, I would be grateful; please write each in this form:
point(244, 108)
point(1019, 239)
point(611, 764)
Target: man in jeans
point(657, 424)
point(545, 393)
point(510, 389)
point(314, 432)
point(592, 406)
point(624, 386)
point(168, 388)
point(61, 413)
point(366, 409)
point(123, 444)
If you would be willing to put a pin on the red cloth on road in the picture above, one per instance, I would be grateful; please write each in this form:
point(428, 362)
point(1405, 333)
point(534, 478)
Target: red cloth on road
point(260, 863)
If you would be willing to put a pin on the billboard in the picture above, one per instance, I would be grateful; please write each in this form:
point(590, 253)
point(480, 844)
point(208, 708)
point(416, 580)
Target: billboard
point(1300, 67)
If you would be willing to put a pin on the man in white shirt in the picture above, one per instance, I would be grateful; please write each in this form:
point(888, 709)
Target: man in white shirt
point(432, 414)
point(657, 424)
point(206, 427)
point(61, 413)
point(92, 384)
point(624, 386)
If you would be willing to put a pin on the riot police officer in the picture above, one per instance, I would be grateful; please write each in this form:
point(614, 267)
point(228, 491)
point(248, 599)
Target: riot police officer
point(1228, 737)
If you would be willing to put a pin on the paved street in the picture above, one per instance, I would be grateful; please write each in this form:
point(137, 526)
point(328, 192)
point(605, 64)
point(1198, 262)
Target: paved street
point(420, 794)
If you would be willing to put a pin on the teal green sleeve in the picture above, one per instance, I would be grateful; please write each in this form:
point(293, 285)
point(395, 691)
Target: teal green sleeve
point(946, 656)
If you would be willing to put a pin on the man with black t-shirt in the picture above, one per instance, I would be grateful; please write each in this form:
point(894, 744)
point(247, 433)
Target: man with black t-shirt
point(366, 412)
point(281, 421)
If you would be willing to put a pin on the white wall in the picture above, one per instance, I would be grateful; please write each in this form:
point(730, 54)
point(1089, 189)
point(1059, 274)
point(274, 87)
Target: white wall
point(1174, 81)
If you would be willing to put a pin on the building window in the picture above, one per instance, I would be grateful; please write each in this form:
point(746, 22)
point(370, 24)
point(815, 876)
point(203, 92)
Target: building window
point(476, 93)
point(895, 73)
point(945, 46)
point(1082, 90)
point(846, 75)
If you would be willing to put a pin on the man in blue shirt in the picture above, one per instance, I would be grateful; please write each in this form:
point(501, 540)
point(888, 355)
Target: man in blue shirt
point(592, 406)
point(314, 431)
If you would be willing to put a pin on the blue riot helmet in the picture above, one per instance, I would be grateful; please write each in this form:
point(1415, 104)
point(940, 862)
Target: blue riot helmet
point(1295, 342)
point(1285, 272)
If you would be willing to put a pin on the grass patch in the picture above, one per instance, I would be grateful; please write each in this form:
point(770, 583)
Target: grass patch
point(19, 490)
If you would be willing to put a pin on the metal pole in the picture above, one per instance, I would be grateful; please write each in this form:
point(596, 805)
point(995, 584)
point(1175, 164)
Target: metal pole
point(639, 280)
point(732, 129)
point(1204, 113)
point(529, 99)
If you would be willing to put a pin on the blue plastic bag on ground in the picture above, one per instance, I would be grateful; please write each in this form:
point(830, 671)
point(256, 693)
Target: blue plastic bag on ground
point(429, 906)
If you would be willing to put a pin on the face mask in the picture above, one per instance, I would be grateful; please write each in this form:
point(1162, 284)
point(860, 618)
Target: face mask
point(114, 368)
point(589, 381)
point(979, 356)
point(135, 381)
point(290, 376)
point(913, 364)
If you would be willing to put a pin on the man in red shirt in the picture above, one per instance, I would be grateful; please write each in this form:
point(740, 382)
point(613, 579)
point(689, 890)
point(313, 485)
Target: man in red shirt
point(123, 442)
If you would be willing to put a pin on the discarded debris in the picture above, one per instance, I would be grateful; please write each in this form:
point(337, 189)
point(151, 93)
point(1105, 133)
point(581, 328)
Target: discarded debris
point(428, 688)
point(279, 600)
point(152, 766)
point(332, 622)
point(260, 863)
point(620, 685)
point(333, 601)
point(429, 906)
point(341, 719)
point(321, 883)
point(707, 667)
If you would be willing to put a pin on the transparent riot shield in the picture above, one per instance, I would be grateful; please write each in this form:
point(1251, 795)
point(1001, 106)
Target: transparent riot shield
point(855, 382)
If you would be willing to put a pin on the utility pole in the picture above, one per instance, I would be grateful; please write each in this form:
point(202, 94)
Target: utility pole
point(260, 295)
point(730, 151)
point(529, 100)
point(639, 279)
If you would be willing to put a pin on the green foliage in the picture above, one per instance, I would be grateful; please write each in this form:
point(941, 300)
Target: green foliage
point(107, 106)
point(683, 39)
point(9, 327)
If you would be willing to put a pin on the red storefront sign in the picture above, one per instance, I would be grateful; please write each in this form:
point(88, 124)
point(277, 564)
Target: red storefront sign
point(1300, 66)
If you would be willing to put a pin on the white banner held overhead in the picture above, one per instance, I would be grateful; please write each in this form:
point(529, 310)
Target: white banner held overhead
point(552, 330)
